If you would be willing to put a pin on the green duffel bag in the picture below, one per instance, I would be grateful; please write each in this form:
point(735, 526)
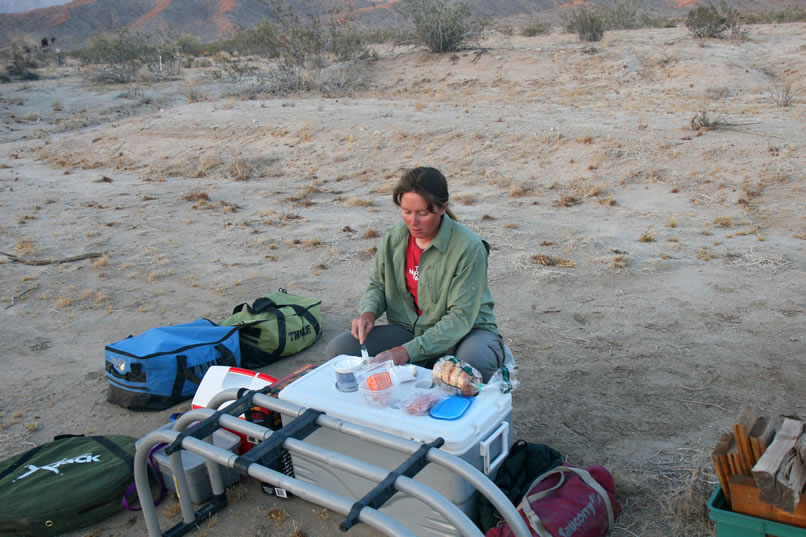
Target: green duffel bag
point(276, 326)
point(64, 485)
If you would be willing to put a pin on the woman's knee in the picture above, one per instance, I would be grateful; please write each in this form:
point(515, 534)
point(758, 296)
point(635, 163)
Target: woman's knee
point(344, 343)
point(482, 350)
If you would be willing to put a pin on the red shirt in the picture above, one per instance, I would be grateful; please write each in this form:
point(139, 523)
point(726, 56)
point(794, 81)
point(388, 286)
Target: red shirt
point(413, 253)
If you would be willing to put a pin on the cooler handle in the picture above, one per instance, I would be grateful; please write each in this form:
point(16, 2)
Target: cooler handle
point(484, 448)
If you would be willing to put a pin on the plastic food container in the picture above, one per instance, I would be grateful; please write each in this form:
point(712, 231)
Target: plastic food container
point(346, 369)
point(378, 389)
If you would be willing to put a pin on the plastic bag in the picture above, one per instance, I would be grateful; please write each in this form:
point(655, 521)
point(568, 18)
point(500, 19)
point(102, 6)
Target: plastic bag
point(420, 401)
point(505, 378)
point(456, 376)
point(378, 384)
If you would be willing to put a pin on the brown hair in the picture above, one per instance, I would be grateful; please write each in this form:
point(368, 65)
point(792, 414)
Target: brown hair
point(427, 182)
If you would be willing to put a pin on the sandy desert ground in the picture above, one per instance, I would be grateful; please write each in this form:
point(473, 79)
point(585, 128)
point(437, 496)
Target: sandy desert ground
point(649, 277)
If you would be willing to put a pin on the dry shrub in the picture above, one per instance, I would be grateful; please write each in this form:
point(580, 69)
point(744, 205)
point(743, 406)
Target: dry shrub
point(619, 262)
point(551, 261)
point(566, 201)
point(304, 135)
point(370, 234)
point(278, 516)
point(197, 196)
point(465, 199)
point(100, 262)
point(100, 297)
point(206, 163)
point(194, 94)
point(783, 95)
point(646, 237)
point(239, 170)
point(672, 222)
point(25, 247)
point(705, 119)
point(586, 188)
point(310, 243)
point(518, 191)
point(173, 509)
point(358, 202)
point(687, 505)
point(369, 253)
point(228, 207)
point(723, 221)
point(63, 302)
point(385, 188)
point(236, 492)
point(298, 531)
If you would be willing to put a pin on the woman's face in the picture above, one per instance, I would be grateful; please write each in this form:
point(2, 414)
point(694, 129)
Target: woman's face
point(422, 223)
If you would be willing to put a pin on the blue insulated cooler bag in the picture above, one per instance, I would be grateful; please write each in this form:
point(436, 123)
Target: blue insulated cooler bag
point(164, 366)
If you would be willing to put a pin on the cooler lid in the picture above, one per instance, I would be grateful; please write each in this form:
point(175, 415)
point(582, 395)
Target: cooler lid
point(318, 390)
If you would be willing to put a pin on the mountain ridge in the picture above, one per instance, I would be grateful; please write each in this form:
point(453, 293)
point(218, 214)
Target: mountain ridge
point(74, 22)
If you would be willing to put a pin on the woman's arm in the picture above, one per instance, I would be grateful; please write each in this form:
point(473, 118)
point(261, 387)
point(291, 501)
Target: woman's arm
point(374, 298)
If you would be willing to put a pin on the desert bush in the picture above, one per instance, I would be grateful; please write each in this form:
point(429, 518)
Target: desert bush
point(260, 40)
point(348, 43)
point(536, 28)
point(118, 58)
point(22, 62)
point(629, 15)
point(381, 35)
point(714, 20)
point(586, 22)
point(783, 95)
point(314, 57)
point(790, 14)
point(622, 15)
point(442, 26)
point(188, 44)
point(306, 55)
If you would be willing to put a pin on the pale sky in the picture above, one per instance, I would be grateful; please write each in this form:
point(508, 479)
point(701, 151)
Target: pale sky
point(18, 6)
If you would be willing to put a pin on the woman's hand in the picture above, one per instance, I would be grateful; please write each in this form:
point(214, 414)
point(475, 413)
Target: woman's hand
point(397, 354)
point(362, 326)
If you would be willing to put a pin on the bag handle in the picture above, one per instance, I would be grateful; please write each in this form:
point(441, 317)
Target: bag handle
point(587, 478)
point(154, 468)
point(264, 304)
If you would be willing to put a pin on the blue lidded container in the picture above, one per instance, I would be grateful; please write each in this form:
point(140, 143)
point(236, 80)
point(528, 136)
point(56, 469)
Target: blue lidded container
point(451, 408)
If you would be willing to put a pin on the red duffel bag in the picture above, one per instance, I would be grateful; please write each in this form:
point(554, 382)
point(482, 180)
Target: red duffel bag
point(568, 502)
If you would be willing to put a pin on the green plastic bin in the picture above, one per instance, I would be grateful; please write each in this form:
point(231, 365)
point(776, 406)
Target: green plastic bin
point(730, 524)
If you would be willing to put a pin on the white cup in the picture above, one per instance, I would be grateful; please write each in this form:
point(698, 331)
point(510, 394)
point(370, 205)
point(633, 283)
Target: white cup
point(345, 369)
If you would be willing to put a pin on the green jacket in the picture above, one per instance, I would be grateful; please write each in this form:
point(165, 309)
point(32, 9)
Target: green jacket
point(452, 289)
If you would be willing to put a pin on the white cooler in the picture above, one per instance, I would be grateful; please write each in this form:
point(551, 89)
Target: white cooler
point(481, 437)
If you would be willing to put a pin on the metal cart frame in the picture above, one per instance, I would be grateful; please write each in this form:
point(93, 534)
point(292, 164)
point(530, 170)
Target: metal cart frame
point(269, 449)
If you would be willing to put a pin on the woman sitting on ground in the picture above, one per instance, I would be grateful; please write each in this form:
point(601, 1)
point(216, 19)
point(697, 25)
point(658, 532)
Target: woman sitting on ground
point(430, 278)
